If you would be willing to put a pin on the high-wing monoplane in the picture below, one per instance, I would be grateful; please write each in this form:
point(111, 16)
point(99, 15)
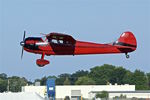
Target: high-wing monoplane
point(63, 44)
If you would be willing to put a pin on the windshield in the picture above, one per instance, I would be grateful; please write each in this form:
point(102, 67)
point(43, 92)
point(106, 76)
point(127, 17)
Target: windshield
point(44, 38)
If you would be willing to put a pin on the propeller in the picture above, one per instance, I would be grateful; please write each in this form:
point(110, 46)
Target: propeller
point(22, 44)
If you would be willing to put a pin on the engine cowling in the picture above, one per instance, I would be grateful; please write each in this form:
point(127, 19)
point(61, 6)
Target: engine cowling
point(42, 62)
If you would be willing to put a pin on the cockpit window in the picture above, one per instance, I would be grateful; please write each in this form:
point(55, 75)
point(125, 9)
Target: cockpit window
point(44, 38)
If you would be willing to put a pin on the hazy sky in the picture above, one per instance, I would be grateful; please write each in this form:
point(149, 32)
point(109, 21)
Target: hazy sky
point(98, 21)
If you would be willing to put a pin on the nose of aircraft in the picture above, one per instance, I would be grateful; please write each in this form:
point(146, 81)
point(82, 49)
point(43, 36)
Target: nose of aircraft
point(22, 43)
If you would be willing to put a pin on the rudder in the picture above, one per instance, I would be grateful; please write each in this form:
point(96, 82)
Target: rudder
point(127, 39)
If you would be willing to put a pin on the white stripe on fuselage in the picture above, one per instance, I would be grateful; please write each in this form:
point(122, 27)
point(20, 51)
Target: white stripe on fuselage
point(41, 43)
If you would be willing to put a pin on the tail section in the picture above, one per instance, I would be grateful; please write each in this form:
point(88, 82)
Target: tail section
point(126, 43)
point(128, 39)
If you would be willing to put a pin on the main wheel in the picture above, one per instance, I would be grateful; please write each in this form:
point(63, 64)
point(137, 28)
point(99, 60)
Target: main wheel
point(40, 65)
point(42, 62)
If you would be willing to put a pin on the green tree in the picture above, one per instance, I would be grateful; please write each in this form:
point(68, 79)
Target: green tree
point(140, 80)
point(54, 77)
point(128, 78)
point(117, 75)
point(103, 94)
point(85, 80)
point(67, 98)
point(3, 82)
point(123, 96)
point(3, 85)
point(3, 76)
point(15, 83)
point(43, 80)
point(61, 78)
point(102, 74)
point(120, 97)
point(148, 77)
point(67, 82)
point(74, 77)
point(37, 80)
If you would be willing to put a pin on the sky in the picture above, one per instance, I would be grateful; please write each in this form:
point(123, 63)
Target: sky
point(100, 21)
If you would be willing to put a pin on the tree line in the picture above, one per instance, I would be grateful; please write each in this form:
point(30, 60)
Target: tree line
point(98, 75)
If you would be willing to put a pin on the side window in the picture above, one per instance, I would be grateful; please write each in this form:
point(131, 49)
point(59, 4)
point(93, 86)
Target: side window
point(67, 42)
point(61, 41)
point(54, 41)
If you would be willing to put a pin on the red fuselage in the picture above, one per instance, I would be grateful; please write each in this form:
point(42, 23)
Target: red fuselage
point(61, 44)
point(80, 48)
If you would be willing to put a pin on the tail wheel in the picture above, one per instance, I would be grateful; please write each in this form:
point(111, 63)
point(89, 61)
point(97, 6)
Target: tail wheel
point(127, 56)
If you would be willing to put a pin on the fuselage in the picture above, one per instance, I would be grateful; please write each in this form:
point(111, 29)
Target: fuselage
point(40, 46)
point(62, 44)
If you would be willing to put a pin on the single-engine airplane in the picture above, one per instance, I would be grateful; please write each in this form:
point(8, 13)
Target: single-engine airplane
point(63, 44)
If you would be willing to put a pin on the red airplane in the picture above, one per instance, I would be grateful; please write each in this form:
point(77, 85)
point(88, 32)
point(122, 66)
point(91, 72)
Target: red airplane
point(63, 44)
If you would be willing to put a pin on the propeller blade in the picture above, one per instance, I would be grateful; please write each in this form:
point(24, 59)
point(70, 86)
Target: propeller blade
point(24, 35)
point(22, 53)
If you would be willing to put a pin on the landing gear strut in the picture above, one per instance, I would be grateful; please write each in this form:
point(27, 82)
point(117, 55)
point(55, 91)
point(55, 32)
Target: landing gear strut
point(42, 62)
point(127, 56)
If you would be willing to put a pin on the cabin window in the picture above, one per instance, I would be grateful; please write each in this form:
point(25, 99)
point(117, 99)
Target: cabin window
point(61, 41)
point(54, 41)
point(57, 41)
point(67, 42)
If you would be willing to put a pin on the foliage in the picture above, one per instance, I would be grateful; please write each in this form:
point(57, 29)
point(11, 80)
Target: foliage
point(103, 94)
point(3, 82)
point(74, 77)
point(140, 80)
point(85, 80)
point(123, 96)
point(43, 80)
point(148, 77)
point(3, 76)
point(15, 83)
point(67, 98)
point(61, 78)
point(54, 77)
point(120, 97)
point(128, 78)
point(3, 85)
point(67, 82)
point(117, 75)
point(99, 75)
